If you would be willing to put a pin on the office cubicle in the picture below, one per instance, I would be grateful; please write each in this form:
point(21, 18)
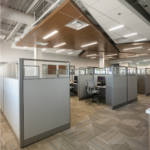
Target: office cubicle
point(36, 101)
point(84, 74)
point(124, 86)
point(147, 81)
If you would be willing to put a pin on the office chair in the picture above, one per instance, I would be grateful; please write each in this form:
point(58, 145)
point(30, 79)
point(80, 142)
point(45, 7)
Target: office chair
point(71, 90)
point(92, 91)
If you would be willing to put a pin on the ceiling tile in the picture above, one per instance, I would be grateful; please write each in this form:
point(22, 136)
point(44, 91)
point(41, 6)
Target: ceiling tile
point(130, 19)
point(135, 37)
point(94, 12)
point(111, 25)
point(106, 6)
point(123, 31)
point(137, 25)
point(114, 14)
point(89, 2)
point(142, 29)
point(104, 20)
point(85, 5)
point(146, 34)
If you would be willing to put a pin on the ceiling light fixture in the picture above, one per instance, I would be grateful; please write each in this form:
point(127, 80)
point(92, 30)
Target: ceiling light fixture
point(141, 54)
point(130, 34)
point(125, 62)
point(2, 36)
point(41, 43)
point(51, 34)
point(89, 44)
point(25, 47)
point(112, 55)
point(60, 51)
point(121, 26)
point(43, 49)
point(147, 60)
point(149, 49)
point(140, 40)
point(133, 48)
point(70, 53)
point(91, 55)
point(60, 45)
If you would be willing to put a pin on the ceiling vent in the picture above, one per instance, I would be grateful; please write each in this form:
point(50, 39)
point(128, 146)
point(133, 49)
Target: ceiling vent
point(41, 43)
point(122, 39)
point(77, 24)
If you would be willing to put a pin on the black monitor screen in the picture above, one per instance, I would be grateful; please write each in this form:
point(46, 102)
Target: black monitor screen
point(76, 78)
point(101, 80)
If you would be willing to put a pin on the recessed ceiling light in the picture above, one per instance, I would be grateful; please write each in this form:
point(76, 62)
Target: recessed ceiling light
point(149, 49)
point(125, 61)
point(70, 53)
point(51, 34)
point(109, 57)
point(60, 45)
point(91, 55)
point(130, 34)
point(41, 43)
point(43, 49)
point(141, 54)
point(60, 51)
point(89, 44)
point(121, 26)
point(140, 40)
point(112, 55)
point(147, 60)
point(25, 47)
point(132, 48)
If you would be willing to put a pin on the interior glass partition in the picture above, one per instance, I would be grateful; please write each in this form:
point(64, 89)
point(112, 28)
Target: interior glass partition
point(45, 69)
point(100, 71)
point(132, 71)
point(141, 71)
point(119, 71)
point(148, 71)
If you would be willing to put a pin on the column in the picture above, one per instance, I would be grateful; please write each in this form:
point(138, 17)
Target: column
point(38, 55)
point(101, 62)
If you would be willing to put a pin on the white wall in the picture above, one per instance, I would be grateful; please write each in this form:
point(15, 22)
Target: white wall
point(9, 55)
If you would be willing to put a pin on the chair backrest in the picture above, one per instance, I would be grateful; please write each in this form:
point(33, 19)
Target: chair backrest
point(90, 86)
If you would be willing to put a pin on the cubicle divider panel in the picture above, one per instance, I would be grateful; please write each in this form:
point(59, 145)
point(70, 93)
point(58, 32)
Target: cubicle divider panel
point(45, 101)
point(119, 91)
point(11, 101)
point(147, 85)
point(132, 88)
point(46, 107)
point(141, 84)
point(1, 88)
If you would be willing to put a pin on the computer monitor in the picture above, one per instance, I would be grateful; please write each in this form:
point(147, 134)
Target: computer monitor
point(75, 79)
point(101, 80)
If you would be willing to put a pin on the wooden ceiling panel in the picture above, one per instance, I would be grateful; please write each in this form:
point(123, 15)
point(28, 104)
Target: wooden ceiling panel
point(71, 11)
point(57, 21)
point(74, 39)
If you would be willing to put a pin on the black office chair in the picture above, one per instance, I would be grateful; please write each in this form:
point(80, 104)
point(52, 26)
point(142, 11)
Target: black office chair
point(71, 90)
point(92, 91)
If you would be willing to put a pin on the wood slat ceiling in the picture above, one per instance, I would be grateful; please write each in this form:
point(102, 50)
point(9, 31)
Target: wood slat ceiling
point(74, 39)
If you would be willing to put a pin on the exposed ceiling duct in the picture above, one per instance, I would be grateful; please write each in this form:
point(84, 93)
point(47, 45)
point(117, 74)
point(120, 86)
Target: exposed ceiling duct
point(15, 15)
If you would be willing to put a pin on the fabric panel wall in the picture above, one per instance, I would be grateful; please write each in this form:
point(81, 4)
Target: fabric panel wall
point(1, 89)
point(141, 84)
point(11, 103)
point(147, 83)
point(132, 88)
point(119, 89)
point(82, 89)
point(46, 105)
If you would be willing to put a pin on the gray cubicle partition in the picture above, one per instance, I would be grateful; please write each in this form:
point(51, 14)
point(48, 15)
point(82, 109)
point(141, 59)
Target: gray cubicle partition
point(147, 81)
point(36, 108)
point(84, 74)
point(132, 84)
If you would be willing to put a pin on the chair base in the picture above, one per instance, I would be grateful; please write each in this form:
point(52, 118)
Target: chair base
point(95, 99)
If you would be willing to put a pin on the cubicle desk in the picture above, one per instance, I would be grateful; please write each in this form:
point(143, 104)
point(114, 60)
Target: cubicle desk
point(102, 92)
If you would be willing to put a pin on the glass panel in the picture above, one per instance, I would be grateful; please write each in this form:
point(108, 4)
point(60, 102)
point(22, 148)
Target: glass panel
point(119, 71)
point(108, 71)
point(148, 71)
point(11, 70)
point(141, 70)
point(89, 71)
point(82, 71)
point(100, 71)
point(132, 71)
point(45, 69)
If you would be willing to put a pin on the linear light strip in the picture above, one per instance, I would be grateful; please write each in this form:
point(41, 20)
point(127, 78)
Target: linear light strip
point(133, 48)
point(91, 55)
point(60, 45)
point(130, 35)
point(43, 49)
point(147, 60)
point(118, 27)
point(112, 55)
point(89, 44)
point(70, 53)
point(51, 34)
point(140, 40)
point(60, 51)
